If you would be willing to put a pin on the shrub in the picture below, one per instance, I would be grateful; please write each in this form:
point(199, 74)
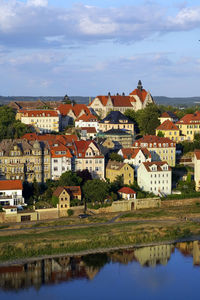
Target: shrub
point(70, 212)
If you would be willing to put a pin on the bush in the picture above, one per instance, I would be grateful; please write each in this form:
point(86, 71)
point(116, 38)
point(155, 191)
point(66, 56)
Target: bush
point(70, 212)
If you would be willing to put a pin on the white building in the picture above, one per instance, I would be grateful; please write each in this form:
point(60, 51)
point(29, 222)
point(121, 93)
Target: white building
point(43, 120)
point(11, 192)
point(135, 156)
point(197, 169)
point(61, 160)
point(155, 177)
point(87, 121)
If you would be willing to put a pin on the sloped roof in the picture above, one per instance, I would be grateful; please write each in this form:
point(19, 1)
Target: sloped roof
point(167, 125)
point(117, 101)
point(87, 118)
point(11, 185)
point(190, 118)
point(115, 165)
point(71, 190)
point(197, 154)
point(159, 164)
point(116, 117)
point(56, 151)
point(154, 140)
point(89, 129)
point(140, 93)
point(76, 109)
point(168, 114)
point(132, 152)
point(126, 190)
point(39, 113)
point(64, 139)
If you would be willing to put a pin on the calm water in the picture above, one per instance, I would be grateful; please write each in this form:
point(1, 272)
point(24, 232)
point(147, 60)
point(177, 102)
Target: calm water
point(158, 272)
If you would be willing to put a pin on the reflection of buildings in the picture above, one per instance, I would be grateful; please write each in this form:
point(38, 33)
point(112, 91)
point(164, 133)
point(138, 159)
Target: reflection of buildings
point(190, 249)
point(123, 256)
point(151, 256)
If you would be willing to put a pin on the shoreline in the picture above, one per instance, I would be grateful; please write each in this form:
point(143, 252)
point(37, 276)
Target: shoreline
point(98, 250)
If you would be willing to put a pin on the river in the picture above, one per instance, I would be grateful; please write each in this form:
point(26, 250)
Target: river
point(156, 272)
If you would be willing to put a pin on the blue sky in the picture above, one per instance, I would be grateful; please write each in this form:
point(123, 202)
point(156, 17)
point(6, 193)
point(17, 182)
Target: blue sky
point(93, 47)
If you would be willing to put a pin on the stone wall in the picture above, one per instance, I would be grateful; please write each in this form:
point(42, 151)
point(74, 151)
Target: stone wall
point(47, 213)
point(179, 202)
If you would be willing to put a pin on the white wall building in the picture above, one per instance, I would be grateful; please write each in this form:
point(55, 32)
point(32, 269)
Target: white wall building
point(61, 160)
point(197, 169)
point(87, 121)
point(155, 177)
point(11, 192)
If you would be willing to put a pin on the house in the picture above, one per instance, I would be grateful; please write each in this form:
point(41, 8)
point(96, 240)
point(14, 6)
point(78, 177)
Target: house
point(87, 155)
point(25, 160)
point(135, 156)
point(121, 138)
point(155, 177)
point(127, 193)
point(42, 120)
point(189, 125)
point(71, 112)
point(61, 159)
point(161, 148)
point(197, 169)
point(137, 99)
point(168, 115)
point(65, 139)
point(116, 120)
point(65, 194)
point(170, 130)
point(115, 169)
point(88, 133)
point(11, 193)
point(87, 121)
point(39, 104)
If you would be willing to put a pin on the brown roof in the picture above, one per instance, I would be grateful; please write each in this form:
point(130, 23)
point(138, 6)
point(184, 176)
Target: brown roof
point(168, 114)
point(89, 129)
point(33, 104)
point(11, 185)
point(167, 125)
point(190, 118)
point(197, 154)
point(39, 113)
point(153, 141)
point(71, 190)
point(159, 164)
point(132, 152)
point(115, 165)
point(76, 109)
point(126, 190)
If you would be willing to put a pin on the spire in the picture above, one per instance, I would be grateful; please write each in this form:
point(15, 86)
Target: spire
point(140, 87)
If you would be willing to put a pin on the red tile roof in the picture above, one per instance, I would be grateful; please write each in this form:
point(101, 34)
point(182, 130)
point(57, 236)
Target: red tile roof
point(64, 139)
point(153, 141)
point(76, 109)
point(169, 114)
point(197, 154)
point(126, 190)
point(89, 129)
point(141, 94)
point(167, 125)
point(71, 190)
point(11, 185)
point(87, 118)
point(117, 101)
point(55, 148)
point(39, 113)
point(132, 152)
point(190, 119)
point(80, 148)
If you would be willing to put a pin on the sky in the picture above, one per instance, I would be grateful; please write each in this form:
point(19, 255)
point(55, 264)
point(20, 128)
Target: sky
point(90, 47)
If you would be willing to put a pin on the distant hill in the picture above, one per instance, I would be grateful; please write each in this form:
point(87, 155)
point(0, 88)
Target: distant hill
point(174, 101)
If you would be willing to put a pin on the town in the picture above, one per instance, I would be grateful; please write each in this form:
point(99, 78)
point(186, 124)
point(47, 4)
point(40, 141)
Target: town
point(118, 153)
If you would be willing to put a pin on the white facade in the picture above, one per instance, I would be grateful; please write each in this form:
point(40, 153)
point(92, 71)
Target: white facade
point(155, 177)
point(197, 170)
point(60, 165)
point(11, 197)
point(81, 123)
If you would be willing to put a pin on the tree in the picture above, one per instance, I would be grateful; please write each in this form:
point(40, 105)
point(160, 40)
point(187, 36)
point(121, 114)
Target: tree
point(95, 190)
point(147, 119)
point(160, 134)
point(116, 157)
point(70, 178)
point(85, 175)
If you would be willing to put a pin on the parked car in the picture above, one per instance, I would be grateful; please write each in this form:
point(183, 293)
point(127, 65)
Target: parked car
point(82, 216)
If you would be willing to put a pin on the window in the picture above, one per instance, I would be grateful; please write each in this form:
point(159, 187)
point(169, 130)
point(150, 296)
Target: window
point(55, 168)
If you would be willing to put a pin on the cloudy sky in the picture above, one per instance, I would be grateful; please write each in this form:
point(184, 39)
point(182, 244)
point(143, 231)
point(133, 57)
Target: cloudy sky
point(90, 47)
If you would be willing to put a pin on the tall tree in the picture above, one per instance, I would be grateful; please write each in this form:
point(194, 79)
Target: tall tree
point(147, 119)
point(70, 179)
point(95, 190)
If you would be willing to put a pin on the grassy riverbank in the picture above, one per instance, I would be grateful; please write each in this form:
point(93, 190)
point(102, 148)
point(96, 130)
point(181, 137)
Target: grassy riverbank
point(38, 242)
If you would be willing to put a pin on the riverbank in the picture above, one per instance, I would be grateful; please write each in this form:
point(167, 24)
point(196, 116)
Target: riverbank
point(43, 242)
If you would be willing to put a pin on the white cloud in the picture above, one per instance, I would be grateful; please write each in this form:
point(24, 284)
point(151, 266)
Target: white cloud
point(41, 3)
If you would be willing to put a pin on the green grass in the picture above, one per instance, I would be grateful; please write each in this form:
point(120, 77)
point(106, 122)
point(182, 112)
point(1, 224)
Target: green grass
point(146, 215)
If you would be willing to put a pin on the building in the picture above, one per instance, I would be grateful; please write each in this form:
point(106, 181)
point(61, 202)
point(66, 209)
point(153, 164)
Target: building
point(197, 169)
point(61, 159)
point(87, 156)
point(39, 104)
point(121, 138)
point(87, 121)
point(115, 169)
point(137, 99)
point(116, 120)
point(155, 177)
point(127, 193)
point(189, 125)
point(71, 112)
point(135, 156)
point(25, 160)
point(170, 130)
point(43, 121)
point(88, 133)
point(161, 148)
point(168, 115)
point(11, 193)
point(66, 194)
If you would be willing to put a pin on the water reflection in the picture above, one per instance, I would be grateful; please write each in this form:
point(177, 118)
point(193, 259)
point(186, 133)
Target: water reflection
point(63, 269)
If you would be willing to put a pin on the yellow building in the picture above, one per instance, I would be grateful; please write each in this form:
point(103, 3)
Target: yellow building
point(25, 160)
point(116, 120)
point(170, 130)
point(115, 169)
point(189, 125)
point(161, 148)
point(168, 115)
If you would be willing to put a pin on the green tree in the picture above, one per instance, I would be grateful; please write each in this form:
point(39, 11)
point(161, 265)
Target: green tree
point(115, 156)
point(70, 178)
point(95, 190)
point(147, 119)
point(160, 134)
point(54, 200)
